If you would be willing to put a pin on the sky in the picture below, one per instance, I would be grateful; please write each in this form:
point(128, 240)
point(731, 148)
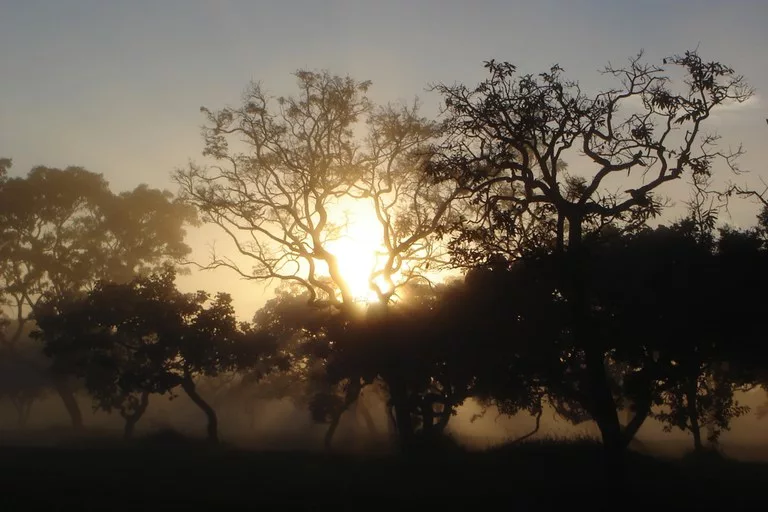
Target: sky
point(116, 86)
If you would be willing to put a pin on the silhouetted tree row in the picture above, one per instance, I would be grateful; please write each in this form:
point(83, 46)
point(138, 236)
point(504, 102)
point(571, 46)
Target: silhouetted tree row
point(129, 341)
point(567, 296)
point(61, 232)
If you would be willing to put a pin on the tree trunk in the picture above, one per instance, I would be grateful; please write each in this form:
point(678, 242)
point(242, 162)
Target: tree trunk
point(560, 235)
point(350, 397)
point(70, 403)
point(602, 405)
point(607, 418)
point(427, 416)
point(133, 418)
point(443, 419)
point(691, 394)
point(533, 432)
point(403, 420)
point(435, 421)
point(391, 421)
point(328, 439)
point(641, 414)
point(642, 406)
point(130, 426)
point(404, 427)
point(188, 385)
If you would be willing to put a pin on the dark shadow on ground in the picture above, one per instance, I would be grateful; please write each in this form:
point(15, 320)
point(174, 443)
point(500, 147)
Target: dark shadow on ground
point(168, 470)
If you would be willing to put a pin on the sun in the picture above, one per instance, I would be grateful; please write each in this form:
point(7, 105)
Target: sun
point(358, 247)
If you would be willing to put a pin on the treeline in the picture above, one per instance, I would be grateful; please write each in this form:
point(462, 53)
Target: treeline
point(567, 297)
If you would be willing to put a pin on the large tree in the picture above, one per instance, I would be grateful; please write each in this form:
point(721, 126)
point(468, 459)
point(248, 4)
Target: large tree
point(63, 230)
point(680, 322)
point(282, 166)
point(128, 341)
point(284, 169)
point(506, 141)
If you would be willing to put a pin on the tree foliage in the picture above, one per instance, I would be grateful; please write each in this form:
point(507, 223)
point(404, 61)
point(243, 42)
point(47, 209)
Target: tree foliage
point(542, 193)
point(283, 168)
point(506, 140)
point(145, 337)
point(63, 230)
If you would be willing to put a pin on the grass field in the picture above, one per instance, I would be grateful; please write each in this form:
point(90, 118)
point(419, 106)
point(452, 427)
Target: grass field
point(170, 473)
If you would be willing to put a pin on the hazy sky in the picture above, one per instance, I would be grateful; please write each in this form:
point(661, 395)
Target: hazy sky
point(116, 86)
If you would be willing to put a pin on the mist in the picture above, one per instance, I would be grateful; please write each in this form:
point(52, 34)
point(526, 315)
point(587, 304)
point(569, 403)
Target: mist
point(277, 425)
point(412, 252)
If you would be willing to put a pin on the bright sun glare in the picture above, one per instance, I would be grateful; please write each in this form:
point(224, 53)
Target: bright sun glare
point(358, 247)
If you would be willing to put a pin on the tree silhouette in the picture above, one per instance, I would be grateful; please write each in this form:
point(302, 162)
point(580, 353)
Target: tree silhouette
point(300, 157)
point(296, 324)
point(408, 346)
point(283, 168)
point(505, 142)
point(317, 370)
point(63, 230)
point(23, 374)
point(130, 340)
point(667, 312)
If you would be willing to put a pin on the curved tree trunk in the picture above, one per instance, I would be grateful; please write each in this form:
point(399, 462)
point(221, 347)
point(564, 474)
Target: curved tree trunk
point(532, 432)
point(70, 403)
point(188, 385)
point(641, 414)
point(350, 397)
point(133, 418)
point(642, 406)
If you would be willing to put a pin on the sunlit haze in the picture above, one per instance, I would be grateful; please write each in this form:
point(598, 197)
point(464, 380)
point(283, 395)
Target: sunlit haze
point(119, 84)
point(358, 247)
point(300, 252)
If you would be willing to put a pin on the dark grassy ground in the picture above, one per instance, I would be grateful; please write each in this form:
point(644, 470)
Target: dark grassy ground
point(545, 475)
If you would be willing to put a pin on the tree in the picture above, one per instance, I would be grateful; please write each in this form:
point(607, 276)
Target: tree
point(662, 301)
point(144, 337)
point(411, 348)
point(506, 140)
point(63, 230)
point(284, 169)
point(300, 328)
point(407, 344)
point(672, 314)
point(23, 378)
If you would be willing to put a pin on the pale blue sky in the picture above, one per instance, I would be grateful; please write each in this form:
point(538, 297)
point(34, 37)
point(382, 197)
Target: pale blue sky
point(116, 86)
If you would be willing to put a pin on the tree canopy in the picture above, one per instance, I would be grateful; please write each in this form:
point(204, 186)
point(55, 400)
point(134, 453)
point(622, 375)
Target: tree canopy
point(63, 230)
point(544, 196)
point(283, 168)
point(144, 337)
